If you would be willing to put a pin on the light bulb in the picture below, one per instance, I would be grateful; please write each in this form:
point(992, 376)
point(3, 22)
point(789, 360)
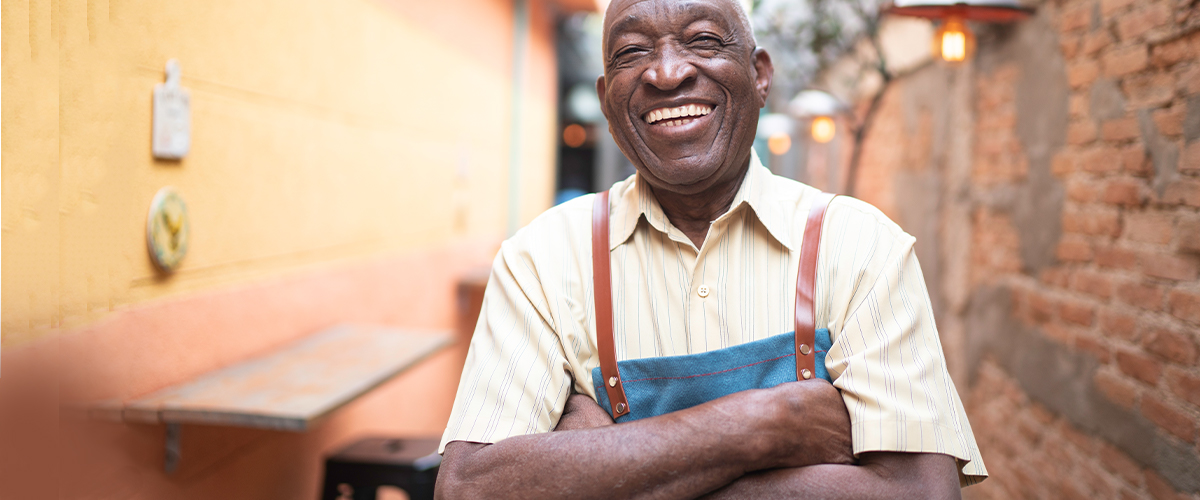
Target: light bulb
point(574, 135)
point(953, 41)
point(823, 129)
point(779, 144)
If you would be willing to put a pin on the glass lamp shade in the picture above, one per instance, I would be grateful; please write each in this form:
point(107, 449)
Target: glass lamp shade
point(823, 129)
point(953, 42)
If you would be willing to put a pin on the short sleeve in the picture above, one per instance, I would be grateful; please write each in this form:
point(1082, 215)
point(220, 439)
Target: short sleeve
point(516, 379)
point(887, 359)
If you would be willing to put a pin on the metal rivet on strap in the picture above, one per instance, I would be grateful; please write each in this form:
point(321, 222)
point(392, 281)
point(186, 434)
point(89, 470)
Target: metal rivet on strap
point(620, 407)
point(805, 349)
point(805, 373)
point(612, 381)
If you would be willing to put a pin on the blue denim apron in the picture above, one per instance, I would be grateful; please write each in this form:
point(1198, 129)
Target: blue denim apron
point(641, 388)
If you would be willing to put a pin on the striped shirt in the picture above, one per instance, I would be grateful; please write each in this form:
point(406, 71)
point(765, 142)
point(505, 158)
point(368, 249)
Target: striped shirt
point(536, 341)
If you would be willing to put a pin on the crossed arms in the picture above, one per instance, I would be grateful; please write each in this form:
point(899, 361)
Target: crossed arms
point(788, 441)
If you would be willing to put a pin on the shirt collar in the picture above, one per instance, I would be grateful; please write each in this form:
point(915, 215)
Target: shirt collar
point(633, 201)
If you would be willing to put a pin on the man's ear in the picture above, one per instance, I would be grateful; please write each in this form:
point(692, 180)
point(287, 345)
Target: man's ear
point(600, 87)
point(764, 71)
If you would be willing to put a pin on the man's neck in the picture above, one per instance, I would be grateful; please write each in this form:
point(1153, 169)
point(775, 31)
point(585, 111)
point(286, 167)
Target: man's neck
point(694, 213)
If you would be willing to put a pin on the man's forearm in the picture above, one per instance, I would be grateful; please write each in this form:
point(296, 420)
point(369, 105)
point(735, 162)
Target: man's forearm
point(683, 454)
point(881, 476)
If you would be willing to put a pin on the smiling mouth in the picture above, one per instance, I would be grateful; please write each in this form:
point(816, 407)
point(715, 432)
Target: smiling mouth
point(674, 117)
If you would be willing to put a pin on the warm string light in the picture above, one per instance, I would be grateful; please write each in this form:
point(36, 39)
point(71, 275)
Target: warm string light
point(574, 135)
point(779, 144)
point(953, 41)
point(823, 129)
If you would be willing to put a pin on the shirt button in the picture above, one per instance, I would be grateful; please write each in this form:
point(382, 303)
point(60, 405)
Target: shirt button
point(702, 291)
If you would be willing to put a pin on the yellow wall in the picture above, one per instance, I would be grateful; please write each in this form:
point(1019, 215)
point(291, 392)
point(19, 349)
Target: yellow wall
point(321, 131)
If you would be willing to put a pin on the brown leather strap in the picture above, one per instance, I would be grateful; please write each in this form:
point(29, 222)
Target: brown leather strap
point(602, 293)
point(806, 280)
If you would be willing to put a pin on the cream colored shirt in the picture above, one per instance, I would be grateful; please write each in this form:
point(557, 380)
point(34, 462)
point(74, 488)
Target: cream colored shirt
point(536, 337)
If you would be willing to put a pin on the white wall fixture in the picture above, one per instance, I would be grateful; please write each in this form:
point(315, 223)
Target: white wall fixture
point(172, 117)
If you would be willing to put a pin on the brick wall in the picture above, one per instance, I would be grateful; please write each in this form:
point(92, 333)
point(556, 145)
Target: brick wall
point(1077, 209)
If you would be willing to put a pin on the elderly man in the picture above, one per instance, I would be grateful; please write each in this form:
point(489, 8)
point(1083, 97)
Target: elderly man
point(704, 247)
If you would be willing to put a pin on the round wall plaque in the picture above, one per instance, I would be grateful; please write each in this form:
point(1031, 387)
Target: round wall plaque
point(167, 229)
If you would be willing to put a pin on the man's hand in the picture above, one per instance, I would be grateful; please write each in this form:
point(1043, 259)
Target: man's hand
point(807, 422)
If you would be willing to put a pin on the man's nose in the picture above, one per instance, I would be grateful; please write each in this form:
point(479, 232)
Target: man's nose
point(669, 70)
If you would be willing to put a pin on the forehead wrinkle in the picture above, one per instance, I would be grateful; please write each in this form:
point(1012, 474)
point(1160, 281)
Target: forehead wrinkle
point(742, 17)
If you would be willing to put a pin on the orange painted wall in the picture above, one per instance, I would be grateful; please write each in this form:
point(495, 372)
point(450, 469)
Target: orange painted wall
point(349, 163)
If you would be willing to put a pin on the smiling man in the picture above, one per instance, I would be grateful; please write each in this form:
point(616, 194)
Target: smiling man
point(704, 245)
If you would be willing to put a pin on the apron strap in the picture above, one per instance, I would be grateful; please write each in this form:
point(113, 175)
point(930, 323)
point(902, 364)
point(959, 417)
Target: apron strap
point(602, 294)
point(806, 315)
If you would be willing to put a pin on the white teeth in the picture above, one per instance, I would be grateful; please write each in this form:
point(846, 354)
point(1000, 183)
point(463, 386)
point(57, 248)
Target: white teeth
point(680, 111)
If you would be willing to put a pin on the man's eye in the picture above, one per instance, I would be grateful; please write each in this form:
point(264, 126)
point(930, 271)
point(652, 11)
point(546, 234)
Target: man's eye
point(627, 51)
point(707, 41)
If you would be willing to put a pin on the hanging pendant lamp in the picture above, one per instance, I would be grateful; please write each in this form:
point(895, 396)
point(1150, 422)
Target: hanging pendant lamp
point(953, 41)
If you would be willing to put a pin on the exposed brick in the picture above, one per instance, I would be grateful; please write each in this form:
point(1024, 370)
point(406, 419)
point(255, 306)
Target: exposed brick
point(1059, 333)
point(1139, 366)
point(1169, 417)
point(1076, 312)
point(1129, 494)
point(1071, 19)
point(1189, 233)
point(1184, 384)
point(1078, 105)
point(1135, 162)
point(1123, 61)
point(1172, 267)
point(1171, 52)
point(1185, 191)
point(1041, 307)
point(1100, 159)
point(1159, 488)
point(1108, 7)
point(1092, 283)
point(1082, 190)
point(1149, 227)
point(1118, 325)
point(1094, 346)
point(1063, 163)
point(1136, 23)
point(1082, 73)
point(1114, 257)
point(1124, 192)
point(1146, 91)
point(1188, 78)
point(1073, 250)
point(1116, 388)
point(1100, 483)
point(1055, 276)
point(1184, 305)
point(1170, 120)
point(1099, 223)
point(1115, 461)
point(1191, 158)
point(1096, 41)
point(1081, 132)
point(1170, 345)
point(1120, 129)
point(1145, 296)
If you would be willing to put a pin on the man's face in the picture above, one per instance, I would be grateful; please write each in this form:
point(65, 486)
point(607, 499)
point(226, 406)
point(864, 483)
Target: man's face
point(681, 89)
